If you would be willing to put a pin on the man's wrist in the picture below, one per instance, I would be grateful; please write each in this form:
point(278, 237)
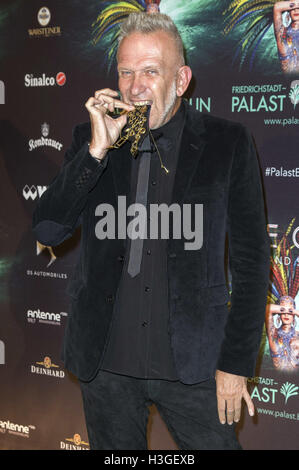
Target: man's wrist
point(98, 155)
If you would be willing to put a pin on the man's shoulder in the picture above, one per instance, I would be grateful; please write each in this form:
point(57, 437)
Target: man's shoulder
point(219, 124)
point(215, 125)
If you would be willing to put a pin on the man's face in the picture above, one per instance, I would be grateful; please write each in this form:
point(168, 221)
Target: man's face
point(147, 68)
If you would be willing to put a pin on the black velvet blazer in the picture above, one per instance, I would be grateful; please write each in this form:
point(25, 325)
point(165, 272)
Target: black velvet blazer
point(217, 167)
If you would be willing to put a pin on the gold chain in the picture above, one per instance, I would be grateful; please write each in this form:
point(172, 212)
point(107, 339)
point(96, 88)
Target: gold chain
point(136, 127)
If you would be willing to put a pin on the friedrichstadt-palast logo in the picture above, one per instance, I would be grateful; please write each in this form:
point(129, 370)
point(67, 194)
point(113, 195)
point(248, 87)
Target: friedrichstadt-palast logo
point(49, 318)
point(294, 93)
point(47, 367)
point(266, 99)
point(267, 391)
point(43, 141)
point(74, 443)
point(22, 430)
point(44, 18)
point(43, 80)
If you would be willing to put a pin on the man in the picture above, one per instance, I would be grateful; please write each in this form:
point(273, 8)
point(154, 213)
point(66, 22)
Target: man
point(149, 321)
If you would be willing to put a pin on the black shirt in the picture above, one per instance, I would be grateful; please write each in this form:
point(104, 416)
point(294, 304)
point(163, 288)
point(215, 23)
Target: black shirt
point(139, 343)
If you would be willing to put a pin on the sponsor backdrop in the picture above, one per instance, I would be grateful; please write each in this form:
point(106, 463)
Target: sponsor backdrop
point(54, 55)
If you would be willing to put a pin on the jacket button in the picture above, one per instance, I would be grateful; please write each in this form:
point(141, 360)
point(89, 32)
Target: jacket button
point(120, 258)
point(109, 298)
point(172, 255)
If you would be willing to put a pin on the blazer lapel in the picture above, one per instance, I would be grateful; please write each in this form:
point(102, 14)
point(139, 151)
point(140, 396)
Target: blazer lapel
point(192, 145)
point(121, 170)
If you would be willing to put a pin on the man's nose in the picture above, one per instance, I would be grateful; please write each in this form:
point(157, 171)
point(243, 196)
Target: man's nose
point(137, 85)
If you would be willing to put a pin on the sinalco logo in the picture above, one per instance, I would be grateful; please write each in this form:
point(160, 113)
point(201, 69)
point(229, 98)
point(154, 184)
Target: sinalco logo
point(48, 368)
point(74, 443)
point(2, 92)
point(44, 80)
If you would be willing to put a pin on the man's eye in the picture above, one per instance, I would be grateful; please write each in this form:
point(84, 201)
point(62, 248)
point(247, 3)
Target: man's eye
point(151, 72)
point(125, 73)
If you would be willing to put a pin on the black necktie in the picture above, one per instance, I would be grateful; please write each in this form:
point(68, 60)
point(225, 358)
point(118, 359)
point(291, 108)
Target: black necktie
point(136, 247)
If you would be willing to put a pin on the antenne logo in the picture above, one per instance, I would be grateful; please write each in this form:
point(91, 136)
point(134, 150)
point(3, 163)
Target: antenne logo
point(16, 429)
point(2, 92)
point(2, 352)
point(50, 318)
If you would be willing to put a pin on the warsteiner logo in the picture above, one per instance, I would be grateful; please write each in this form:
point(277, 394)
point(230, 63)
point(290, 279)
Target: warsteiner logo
point(47, 368)
point(44, 18)
point(76, 443)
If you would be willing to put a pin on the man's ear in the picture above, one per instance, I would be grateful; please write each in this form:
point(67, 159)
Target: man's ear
point(184, 76)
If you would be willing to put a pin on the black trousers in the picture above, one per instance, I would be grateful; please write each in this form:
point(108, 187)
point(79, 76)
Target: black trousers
point(116, 409)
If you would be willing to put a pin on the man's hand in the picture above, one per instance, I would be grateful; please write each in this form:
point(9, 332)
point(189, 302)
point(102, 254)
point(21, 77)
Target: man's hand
point(104, 129)
point(230, 391)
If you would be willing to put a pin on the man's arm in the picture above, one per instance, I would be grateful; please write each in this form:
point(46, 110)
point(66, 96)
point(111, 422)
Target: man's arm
point(249, 257)
point(58, 211)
